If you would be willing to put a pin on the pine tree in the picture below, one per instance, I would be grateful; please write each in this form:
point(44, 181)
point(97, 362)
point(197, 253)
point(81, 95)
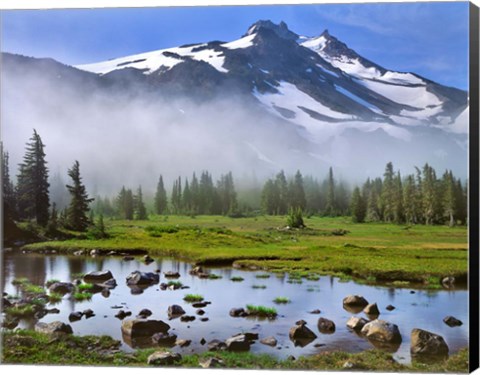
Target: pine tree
point(79, 203)
point(330, 199)
point(409, 200)
point(32, 186)
point(227, 194)
point(161, 202)
point(357, 206)
point(125, 204)
point(398, 212)
point(283, 199)
point(297, 193)
point(270, 197)
point(176, 198)
point(388, 194)
point(139, 210)
point(449, 197)
point(53, 220)
point(429, 194)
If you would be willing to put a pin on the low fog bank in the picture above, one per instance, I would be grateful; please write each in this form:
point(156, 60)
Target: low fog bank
point(121, 140)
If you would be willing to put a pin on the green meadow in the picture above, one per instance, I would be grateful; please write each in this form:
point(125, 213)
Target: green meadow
point(372, 252)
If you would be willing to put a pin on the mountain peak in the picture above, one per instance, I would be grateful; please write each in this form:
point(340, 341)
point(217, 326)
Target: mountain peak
point(281, 29)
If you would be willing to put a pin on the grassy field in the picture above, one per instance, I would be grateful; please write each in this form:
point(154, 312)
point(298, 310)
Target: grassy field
point(373, 252)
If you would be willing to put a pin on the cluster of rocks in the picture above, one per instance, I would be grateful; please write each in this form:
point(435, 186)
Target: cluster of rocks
point(77, 315)
point(199, 272)
point(423, 344)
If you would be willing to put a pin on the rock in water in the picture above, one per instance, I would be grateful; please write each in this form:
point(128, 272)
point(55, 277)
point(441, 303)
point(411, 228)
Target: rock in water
point(270, 341)
point(371, 309)
point(326, 326)
point(175, 311)
point(380, 330)
point(355, 301)
point(97, 277)
point(163, 358)
point(74, 316)
point(143, 278)
point(143, 327)
point(356, 323)
point(61, 288)
point(424, 343)
point(164, 339)
point(452, 322)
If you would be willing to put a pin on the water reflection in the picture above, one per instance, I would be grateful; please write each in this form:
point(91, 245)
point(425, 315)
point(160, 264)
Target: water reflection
point(424, 309)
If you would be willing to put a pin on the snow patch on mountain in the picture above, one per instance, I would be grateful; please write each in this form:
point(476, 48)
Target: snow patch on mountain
point(244, 42)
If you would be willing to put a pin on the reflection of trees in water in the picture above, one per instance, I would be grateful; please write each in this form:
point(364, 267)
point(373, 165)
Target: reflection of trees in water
point(31, 267)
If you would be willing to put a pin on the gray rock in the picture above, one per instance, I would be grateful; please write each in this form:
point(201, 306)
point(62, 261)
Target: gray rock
point(424, 343)
point(147, 259)
point(371, 309)
point(143, 278)
point(196, 270)
point(390, 308)
point(326, 326)
point(216, 345)
point(164, 339)
point(452, 322)
point(108, 284)
point(88, 313)
point(97, 277)
point(53, 328)
point(175, 311)
point(199, 304)
point(183, 343)
point(200, 312)
point(238, 312)
point(270, 341)
point(380, 330)
point(204, 319)
point(355, 301)
point(143, 327)
point(448, 282)
point(187, 318)
point(74, 316)
point(316, 311)
point(144, 313)
point(300, 331)
point(238, 343)
point(356, 323)
point(163, 358)
point(172, 274)
point(122, 314)
point(211, 363)
point(94, 252)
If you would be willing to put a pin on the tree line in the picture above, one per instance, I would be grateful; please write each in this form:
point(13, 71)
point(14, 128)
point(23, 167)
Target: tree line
point(419, 198)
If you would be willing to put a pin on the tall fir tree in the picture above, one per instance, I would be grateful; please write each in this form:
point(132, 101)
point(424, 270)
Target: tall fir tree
point(330, 209)
point(140, 212)
point(358, 207)
point(161, 202)
point(33, 200)
point(449, 197)
point(297, 193)
point(388, 194)
point(8, 189)
point(79, 201)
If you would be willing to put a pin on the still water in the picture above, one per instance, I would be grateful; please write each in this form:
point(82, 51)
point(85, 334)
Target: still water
point(421, 309)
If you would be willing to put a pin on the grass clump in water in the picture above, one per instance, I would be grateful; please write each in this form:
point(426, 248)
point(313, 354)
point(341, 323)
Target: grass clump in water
point(261, 311)
point(85, 287)
point(82, 296)
point(259, 286)
point(263, 276)
point(237, 278)
point(55, 297)
point(193, 298)
point(213, 276)
point(175, 284)
point(282, 300)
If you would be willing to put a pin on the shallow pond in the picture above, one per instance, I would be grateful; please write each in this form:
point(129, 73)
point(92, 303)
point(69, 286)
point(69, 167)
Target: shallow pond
point(413, 308)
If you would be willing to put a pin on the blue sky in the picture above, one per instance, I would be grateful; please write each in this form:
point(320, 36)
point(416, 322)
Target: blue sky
point(430, 39)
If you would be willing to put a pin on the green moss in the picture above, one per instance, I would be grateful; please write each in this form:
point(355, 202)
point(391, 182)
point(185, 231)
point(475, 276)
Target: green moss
point(237, 278)
point(261, 311)
point(281, 300)
point(82, 296)
point(85, 287)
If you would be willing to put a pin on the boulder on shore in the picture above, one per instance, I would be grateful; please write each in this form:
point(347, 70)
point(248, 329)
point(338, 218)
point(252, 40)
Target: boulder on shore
point(53, 328)
point(382, 331)
point(424, 343)
point(355, 301)
point(270, 341)
point(164, 339)
point(163, 358)
point(238, 343)
point(301, 332)
point(143, 327)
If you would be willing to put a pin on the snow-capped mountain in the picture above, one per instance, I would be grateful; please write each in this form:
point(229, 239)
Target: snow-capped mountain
point(318, 83)
point(322, 101)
